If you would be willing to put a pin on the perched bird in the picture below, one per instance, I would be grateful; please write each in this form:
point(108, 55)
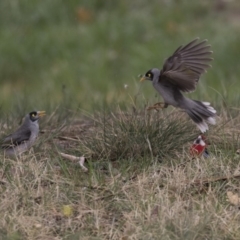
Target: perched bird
point(181, 73)
point(199, 147)
point(24, 137)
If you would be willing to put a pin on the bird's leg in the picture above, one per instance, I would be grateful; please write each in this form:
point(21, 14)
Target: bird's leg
point(157, 106)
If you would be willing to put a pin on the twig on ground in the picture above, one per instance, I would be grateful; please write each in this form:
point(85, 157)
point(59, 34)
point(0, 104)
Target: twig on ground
point(211, 180)
point(72, 158)
point(68, 138)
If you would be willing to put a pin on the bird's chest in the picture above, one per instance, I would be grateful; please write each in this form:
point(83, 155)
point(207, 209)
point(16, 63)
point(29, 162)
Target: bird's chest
point(168, 93)
point(33, 138)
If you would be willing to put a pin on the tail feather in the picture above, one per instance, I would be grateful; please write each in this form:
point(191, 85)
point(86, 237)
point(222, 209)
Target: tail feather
point(202, 114)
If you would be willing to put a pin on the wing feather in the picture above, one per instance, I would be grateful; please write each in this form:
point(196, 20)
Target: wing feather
point(184, 68)
point(16, 138)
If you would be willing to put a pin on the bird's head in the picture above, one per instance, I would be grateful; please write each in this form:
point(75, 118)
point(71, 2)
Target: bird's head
point(35, 115)
point(150, 75)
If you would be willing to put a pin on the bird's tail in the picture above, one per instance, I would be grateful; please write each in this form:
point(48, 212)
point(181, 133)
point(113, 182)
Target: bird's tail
point(202, 114)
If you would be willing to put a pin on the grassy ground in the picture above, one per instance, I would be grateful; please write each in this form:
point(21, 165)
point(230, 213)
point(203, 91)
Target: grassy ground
point(73, 59)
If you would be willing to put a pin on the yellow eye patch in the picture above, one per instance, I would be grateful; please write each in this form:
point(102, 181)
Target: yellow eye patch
point(33, 115)
point(149, 74)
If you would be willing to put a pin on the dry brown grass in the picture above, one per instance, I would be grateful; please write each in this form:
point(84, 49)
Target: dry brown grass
point(139, 196)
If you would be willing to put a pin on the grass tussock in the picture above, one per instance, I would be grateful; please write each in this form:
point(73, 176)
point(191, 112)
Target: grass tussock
point(137, 134)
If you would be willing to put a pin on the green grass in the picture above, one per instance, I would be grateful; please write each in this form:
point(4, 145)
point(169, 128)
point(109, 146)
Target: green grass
point(45, 46)
point(73, 59)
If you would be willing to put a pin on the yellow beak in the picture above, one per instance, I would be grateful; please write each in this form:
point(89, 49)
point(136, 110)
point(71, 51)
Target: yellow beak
point(143, 79)
point(41, 113)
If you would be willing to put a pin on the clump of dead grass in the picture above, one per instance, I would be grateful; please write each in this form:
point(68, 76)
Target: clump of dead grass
point(137, 134)
point(179, 198)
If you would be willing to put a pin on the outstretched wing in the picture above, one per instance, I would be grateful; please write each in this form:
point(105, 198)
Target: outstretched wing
point(184, 68)
point(16, 138)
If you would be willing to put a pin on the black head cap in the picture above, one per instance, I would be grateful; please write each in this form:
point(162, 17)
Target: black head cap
point(33, 116)
point(149, 75)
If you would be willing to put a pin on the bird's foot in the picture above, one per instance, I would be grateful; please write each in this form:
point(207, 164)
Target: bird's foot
point(157, 106)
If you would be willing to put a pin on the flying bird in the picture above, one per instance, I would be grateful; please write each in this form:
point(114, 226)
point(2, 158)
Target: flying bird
point(181, 73)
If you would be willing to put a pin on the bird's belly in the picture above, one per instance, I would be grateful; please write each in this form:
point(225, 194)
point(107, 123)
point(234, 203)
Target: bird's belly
point(32, 139)
point(16, 150)
point(167, 94)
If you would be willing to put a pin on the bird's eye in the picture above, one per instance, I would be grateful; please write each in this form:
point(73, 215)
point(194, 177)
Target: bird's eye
point(33, 115)
point(149, 74)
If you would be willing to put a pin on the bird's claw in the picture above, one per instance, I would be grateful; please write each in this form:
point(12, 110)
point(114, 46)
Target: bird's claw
point(157, 106)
